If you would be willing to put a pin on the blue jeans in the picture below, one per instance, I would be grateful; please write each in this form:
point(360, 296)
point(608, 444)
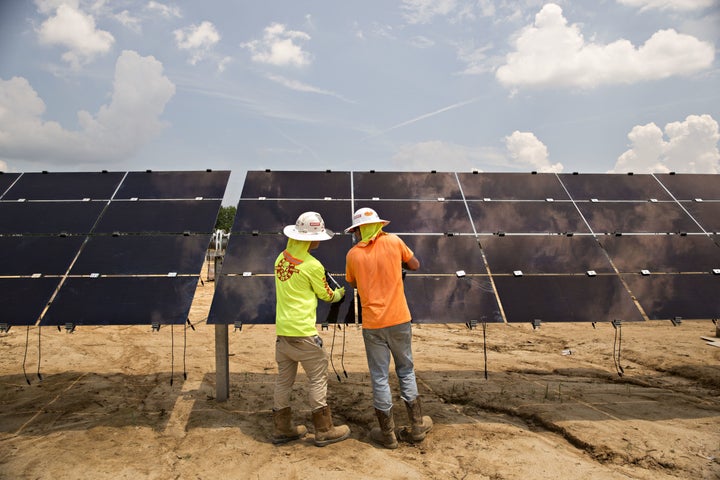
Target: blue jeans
point(379, 345)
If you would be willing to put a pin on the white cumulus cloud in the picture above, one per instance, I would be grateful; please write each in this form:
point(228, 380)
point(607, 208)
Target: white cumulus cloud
point(691, 147)
point(280, 47)
point(551, 53)
point(71, 28)
point(116, 131)
point(198, 40)
point(525, 149)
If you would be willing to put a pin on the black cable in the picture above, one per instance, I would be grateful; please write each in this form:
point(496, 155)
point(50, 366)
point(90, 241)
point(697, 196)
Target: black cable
point(185, 350)
point(332, 347)
point(342, 356)
point(617, 345)
point(485, 350)
point(39, 355)
point(172, 353)
point(27, 340)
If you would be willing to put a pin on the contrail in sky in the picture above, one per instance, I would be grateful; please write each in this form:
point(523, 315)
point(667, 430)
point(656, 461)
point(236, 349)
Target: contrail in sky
point(423, 117)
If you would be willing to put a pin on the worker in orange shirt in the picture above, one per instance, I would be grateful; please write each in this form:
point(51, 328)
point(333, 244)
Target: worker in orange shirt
point(374, 266)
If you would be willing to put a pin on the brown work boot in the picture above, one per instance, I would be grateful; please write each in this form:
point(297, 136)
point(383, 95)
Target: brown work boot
point(284, 431)
point(385, 434)
point(325, 432)
point(419, 424)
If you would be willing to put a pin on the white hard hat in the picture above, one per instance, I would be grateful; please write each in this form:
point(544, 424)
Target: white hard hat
point(309, 226)
point(364, 216)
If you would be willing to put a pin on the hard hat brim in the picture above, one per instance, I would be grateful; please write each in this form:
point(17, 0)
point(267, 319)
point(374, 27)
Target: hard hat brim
point(352, 228)
point(291, 231)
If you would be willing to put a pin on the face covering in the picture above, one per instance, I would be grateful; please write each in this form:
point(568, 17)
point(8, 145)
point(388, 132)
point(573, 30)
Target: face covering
point(298, 248)
point(370, 231)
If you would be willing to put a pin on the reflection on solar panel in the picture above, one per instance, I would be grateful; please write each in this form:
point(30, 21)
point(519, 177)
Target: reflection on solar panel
point(104, 248)
point(495, 247)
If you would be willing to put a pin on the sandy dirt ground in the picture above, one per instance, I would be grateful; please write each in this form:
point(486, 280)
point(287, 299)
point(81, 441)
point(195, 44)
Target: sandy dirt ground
point(113, 403)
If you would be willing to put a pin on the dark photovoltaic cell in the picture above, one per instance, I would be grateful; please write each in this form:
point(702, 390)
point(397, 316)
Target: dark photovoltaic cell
point(174, 185)
point(168, 216)
point(544, 254)
point(446, 255)
point(607, 186)
point(406, 185)
point(22, 300)
point(511, 186)
point(423, 216)
point(663, 253)
point(451, 299)
point(526, 217)
point(6, 180)
point(631, 217)
point(142, 255)
point(664, 297)
point(271, 216)
point(707, 214)
point(555, 298)
point(692, 186)
point(122, 301)
point(318, 185)
point(47, 218)
point(65, 186)
point(21, 256)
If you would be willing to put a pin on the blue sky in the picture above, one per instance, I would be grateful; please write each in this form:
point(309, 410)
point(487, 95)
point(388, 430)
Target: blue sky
point(413, 85)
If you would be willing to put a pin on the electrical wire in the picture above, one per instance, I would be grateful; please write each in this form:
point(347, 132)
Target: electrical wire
point(27, 340)
point(617, 345)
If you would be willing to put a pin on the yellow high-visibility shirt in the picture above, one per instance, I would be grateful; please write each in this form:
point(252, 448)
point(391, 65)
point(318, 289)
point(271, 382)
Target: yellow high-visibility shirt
point(299, 282)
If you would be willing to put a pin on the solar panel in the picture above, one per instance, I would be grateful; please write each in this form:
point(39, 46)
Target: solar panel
point(606, 186)
point(65, 186)
point(565, 298)
point(691, 186)
point(637, 217)
point(159, 217)
point(22, 300)
point(451, 299)
point(533, 231)
point(545, 254)
point(663, 253)
point(24, 256)
point(122, 301)
point(665, 297)
point(526, 217)
point(174, 185)
point(48, 218)
point(142, 255)
point(318, 185)
point(65, 238)
point(511, 186)
point(406, 185)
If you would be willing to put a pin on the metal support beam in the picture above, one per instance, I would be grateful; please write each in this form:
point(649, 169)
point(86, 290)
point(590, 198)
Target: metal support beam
point(222, 363)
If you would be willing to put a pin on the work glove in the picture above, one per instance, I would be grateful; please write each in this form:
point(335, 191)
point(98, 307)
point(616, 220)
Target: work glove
point(338, 294)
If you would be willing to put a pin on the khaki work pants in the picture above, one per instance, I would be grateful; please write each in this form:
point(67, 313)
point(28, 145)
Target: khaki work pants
point(308, 351)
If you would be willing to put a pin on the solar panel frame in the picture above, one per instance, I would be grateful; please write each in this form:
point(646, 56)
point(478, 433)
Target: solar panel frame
point(159, 217)
point(530, 217)
point(22, 300)
point(271, 216)
point(687, 296)
point(691, 186)
point(406, 185)
point(6, 181)
point(49, 217)
point(613, 187)
point(65, 186)
point(297, 184)
point(637, 217)
point(662, 253)
point(134, 301)
point(174, 185)
point(511, 186)
point(30, 255)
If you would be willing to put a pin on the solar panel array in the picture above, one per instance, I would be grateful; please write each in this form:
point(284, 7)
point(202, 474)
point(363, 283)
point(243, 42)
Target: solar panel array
point(106, 248)
point(495, 247)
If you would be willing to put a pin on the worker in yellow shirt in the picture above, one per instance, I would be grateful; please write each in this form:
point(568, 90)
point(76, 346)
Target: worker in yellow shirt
point(299, 282)
point(374, 267)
